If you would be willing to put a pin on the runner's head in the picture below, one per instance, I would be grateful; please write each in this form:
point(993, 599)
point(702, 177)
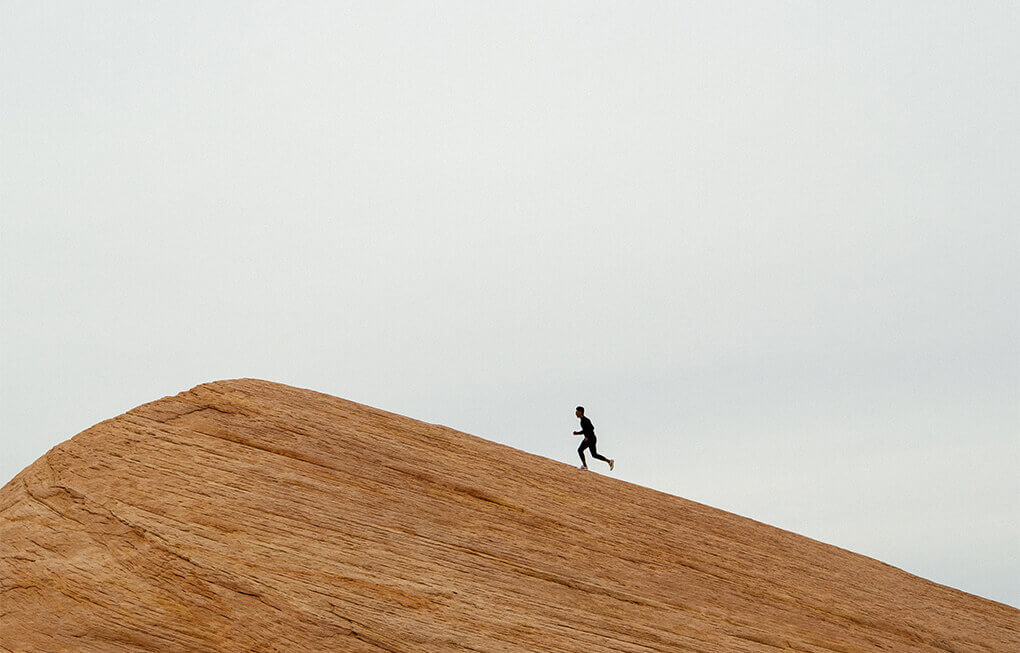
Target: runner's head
point(579, 411)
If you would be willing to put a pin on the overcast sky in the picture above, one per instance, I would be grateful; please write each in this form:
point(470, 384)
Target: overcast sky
point(770, 246)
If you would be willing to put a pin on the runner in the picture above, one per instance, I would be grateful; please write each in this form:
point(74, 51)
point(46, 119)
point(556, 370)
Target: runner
point(588, 431)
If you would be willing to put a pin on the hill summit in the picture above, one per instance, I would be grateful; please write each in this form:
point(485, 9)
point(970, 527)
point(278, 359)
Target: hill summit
point(250, 515)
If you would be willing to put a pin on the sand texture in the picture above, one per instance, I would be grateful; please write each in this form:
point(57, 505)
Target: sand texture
point(245, 515)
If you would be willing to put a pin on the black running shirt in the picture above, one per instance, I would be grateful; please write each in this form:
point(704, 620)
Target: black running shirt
point(587, 428)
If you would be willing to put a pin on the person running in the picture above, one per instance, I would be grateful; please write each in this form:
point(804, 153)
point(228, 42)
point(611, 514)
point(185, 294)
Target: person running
point(588, 431)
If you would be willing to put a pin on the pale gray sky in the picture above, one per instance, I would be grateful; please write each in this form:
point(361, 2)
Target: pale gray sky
point(770, 246)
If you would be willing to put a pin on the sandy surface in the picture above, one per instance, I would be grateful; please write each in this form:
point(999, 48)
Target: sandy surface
point(249, 515)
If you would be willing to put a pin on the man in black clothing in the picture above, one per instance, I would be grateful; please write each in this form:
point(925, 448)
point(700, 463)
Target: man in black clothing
point(588, 431)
